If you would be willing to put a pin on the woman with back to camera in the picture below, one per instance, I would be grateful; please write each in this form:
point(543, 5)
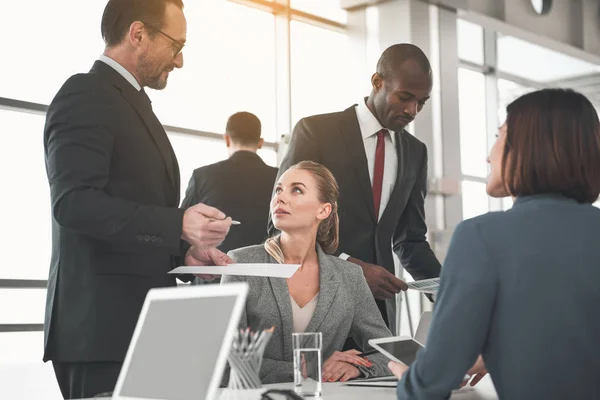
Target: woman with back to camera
point(326, 294)
point(521, 287)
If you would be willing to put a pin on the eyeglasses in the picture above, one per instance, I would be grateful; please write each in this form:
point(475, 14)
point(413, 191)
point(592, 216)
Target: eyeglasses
point(177, 45)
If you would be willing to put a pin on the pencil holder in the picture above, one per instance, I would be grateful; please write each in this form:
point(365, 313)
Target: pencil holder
point(245, 358)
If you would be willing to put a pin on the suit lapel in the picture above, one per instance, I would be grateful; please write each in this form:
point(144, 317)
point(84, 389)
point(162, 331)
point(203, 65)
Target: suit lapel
point(177, 174)
point(144, 109)
point(157, 132)
point(327, 291)
point(403, 159)
point(356, 149)
point(282, 298)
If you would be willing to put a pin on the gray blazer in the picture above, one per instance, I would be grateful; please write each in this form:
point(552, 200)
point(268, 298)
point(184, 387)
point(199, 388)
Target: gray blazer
point(345, 308)
point(521, 288)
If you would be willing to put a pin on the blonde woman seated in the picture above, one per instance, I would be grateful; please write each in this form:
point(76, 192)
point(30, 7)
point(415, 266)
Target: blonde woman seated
point(326, 294)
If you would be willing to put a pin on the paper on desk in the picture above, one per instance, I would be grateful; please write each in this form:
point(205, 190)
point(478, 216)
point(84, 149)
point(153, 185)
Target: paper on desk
point(426, 285)
point(373, 384)
point(385, 381)
point(270, 270)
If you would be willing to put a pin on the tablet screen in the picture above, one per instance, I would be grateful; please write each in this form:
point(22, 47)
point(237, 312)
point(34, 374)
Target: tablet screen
point(403, 350)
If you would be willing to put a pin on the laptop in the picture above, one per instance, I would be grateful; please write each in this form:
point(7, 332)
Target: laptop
point(423, 328)
point(181, 342)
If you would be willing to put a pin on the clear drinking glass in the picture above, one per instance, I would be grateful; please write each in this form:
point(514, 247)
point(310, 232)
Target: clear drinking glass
point(307, 363)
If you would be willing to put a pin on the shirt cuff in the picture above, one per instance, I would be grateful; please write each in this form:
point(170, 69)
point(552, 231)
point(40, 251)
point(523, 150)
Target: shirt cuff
point(344, 256)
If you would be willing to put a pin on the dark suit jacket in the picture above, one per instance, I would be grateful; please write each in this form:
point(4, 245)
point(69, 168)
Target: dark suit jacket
point(114, 186)
point(335, 141)
point(241, 187)
point(521, 288)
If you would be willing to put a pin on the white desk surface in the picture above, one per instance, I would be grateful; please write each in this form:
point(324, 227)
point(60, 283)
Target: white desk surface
point(338, 391)
point(484, 390)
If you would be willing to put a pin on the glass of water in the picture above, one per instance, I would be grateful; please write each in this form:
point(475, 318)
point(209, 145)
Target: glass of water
point(307, 363)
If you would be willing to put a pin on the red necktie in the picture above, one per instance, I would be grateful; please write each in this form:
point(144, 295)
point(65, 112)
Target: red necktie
point(378, 170)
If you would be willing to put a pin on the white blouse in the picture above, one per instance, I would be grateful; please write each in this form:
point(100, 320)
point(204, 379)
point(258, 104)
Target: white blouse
point(301, 316)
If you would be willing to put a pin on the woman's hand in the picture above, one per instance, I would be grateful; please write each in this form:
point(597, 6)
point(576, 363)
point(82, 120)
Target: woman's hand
point(339, 371)
point(397, 369)
point(341, 366)
point(478, 369)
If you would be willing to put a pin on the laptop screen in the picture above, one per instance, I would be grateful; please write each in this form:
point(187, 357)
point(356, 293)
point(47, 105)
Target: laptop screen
point(177, 348)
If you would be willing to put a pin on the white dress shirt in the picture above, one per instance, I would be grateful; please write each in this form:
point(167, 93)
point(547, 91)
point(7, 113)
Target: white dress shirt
point(301, 316)
point(121, 70)
point(369, 126)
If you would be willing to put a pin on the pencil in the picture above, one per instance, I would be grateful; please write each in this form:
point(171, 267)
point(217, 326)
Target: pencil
point(368, 353)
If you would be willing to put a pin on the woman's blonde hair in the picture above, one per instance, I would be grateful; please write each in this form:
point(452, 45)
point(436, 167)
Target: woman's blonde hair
point(329, 228)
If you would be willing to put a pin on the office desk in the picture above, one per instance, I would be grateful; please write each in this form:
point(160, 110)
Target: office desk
point(338, 391)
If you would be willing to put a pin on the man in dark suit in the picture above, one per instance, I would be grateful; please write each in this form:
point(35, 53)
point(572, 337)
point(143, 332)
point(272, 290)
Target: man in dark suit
point(239, 186)
point(114, 184)
point(382, 173)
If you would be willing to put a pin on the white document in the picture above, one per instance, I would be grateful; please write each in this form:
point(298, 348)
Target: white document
point(384, 381)
point(426, 285)
point(269, 270)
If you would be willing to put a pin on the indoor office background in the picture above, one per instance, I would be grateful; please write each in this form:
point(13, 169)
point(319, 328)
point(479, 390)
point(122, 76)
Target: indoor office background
point(282, 60)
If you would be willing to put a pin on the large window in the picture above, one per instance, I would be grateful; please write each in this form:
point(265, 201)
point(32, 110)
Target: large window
point(475, 199)
point(470, 41)
point(25, 235)
point(25, 211)
point(507, 92)
point(472, 101)
point(229, 66)
point(20, 347)
point(31, 305)
point(538, 64)
point(473, 129)
point(43, 43)
point(518, 67)
point(322, 79)
point(329, 9)
point(473, 142)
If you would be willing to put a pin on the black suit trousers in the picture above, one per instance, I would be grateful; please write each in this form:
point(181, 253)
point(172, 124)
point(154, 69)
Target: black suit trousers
point(86, 380)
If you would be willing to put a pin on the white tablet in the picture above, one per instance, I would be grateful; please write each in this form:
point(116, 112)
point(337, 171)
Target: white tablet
point(401, 349)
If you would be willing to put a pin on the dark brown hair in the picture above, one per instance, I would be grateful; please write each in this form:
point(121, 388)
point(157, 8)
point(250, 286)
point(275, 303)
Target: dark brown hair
point(552, 145)
point(244, 128)
point(329, 229)
point(120, 14)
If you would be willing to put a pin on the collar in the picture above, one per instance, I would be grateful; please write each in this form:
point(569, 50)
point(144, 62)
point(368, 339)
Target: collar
point(244, 154)
point(121, 70)
point(520, 200)
point(369, 125)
